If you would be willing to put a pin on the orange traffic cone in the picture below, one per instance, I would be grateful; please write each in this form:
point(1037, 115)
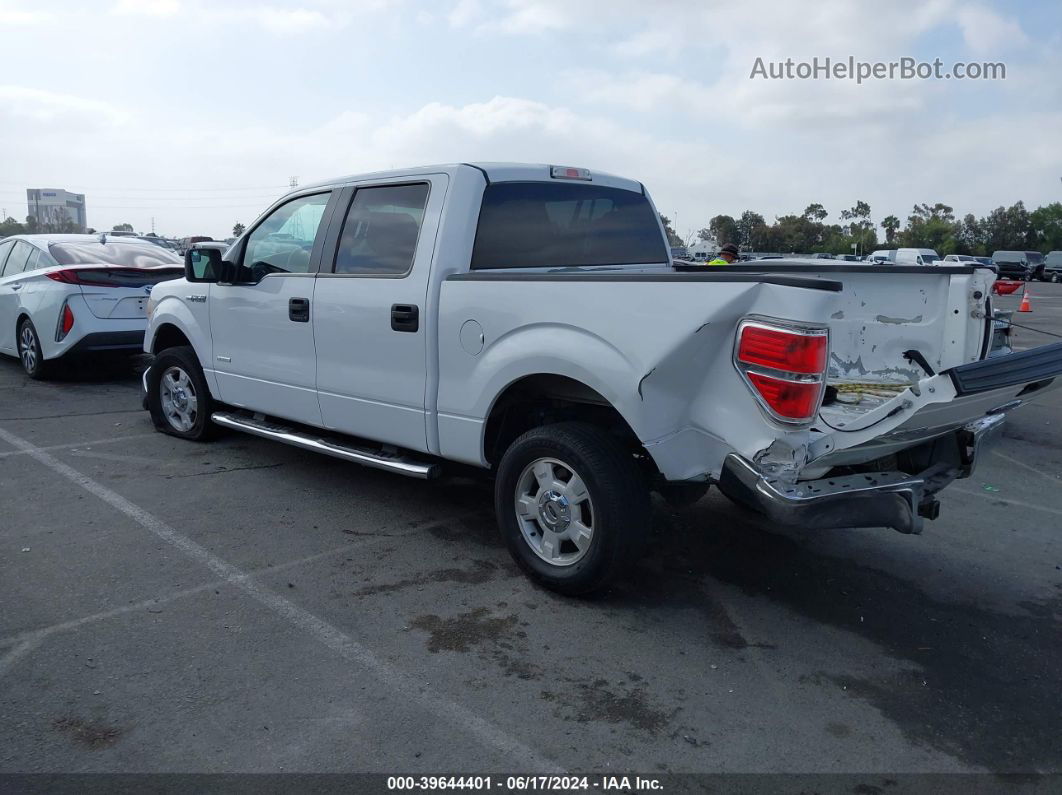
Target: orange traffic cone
point(1025, 306)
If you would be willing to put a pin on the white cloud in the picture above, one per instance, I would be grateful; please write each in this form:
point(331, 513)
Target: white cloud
point(986, 32)
point(640, 91)
point(14, 14)
point(27, 105)
point(150, 8)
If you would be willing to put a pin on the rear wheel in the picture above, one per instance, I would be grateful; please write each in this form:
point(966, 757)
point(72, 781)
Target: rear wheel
point(178, 399)
point(29, 351)
point(572, 505)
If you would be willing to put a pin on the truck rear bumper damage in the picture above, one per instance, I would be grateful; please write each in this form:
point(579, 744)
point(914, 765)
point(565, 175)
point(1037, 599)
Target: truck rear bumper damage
point(867, 499)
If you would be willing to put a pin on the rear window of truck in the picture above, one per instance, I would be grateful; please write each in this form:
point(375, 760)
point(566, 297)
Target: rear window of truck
point(551, 225)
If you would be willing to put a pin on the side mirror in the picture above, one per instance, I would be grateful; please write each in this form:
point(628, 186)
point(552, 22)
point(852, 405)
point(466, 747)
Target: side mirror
point(202, 265)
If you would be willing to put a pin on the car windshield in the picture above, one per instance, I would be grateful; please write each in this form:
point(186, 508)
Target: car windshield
point(1034, 257)
point(143, 255)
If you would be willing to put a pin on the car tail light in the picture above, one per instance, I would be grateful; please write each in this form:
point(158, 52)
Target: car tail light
point(66, 322)
point(784, 366)
point(64, 276)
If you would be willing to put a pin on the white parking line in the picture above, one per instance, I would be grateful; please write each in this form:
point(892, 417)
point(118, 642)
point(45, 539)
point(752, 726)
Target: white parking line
point(41, 633)
point(335, 639)
point(1023, 465)
point(16, 654)
point(997, 497)
point(70, 445)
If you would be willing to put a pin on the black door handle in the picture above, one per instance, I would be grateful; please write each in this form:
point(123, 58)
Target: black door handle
point(299, 310)
point(405, 317)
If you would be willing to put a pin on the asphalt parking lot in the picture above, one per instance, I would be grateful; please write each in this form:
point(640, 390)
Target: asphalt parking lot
point(245, 606)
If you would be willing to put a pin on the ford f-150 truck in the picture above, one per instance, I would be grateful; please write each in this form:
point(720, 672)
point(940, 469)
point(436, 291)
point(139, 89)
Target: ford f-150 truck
point(528, 320)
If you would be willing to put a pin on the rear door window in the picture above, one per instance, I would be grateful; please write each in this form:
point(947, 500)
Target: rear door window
point(5, 249)
point(16, 261)
point(380, 232)
point(546, 224)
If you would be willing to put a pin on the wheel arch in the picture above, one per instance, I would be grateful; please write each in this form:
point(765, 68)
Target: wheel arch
point(168, 335)
point(546, 398)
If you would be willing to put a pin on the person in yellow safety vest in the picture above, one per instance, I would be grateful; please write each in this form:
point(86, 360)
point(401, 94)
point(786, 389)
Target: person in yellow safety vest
point(727, 254)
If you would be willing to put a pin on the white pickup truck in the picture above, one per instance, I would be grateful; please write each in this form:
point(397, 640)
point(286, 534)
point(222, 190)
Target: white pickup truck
point(528, 320)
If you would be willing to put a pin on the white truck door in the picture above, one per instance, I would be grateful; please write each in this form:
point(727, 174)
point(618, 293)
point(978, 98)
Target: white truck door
point(369, 310)
point(261, 323)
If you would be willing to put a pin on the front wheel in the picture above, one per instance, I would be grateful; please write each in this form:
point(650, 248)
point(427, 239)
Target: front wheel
point(178, 399)
point(572, 505)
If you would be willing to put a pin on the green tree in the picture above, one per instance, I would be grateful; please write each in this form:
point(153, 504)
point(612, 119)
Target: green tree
point(751, 230)
point(9, 226)
point(672, 237)
point(724, 229)
point(122, 228)
point(815, 212)
point(1046, 225)
point(890, 224)
point(237, 229)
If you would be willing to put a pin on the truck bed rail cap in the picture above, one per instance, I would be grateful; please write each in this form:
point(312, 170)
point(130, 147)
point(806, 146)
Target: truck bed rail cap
point(501, 275)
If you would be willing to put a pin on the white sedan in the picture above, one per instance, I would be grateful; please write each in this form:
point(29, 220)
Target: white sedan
point(62, 295)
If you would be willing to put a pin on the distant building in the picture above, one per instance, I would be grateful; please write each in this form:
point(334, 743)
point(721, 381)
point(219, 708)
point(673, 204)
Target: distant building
point(703, 250)
point(57, 209)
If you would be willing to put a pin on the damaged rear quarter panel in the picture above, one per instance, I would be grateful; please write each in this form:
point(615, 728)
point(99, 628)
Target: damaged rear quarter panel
point(660, 352)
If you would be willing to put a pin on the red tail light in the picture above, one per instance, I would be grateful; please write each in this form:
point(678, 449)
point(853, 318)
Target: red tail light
point(793, 400)
point(66, 277)
point(784, 366)
point(66, 322)
point(783, 350)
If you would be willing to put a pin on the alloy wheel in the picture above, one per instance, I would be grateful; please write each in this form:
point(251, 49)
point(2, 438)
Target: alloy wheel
point(554, 511)
point(178, 400)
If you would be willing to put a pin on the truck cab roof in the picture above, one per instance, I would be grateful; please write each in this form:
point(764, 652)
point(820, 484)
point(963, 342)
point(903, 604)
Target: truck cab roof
point(491, 171)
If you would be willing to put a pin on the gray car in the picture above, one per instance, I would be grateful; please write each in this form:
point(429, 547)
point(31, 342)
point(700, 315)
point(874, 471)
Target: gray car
point(1053, 266)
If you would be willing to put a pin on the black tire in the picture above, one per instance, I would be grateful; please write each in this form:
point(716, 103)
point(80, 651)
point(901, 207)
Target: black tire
point(199, 427)
point(618, 501)
point(30, 354)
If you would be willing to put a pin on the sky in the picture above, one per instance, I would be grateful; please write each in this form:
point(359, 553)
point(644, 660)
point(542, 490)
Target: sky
point(196, 113)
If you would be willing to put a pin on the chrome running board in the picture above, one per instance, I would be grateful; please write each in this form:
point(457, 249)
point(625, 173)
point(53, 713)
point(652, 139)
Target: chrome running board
point(403, 465)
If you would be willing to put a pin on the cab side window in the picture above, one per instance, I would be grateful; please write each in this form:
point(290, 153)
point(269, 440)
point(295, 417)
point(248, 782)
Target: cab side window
point(16, 261)
point(380, 232)
point(5, 249)
point(283, 242)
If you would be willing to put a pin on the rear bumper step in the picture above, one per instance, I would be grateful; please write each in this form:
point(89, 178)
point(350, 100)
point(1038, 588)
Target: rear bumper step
point(1028, 367)
point(267, 429)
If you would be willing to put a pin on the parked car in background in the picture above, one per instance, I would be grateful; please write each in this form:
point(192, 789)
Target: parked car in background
point(916, 256)
point(881, 256)
point(968, 259)
point(1053, 266)
point(68, 294)
point(158, 241)
point(187, 242)
point(1021, 265)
